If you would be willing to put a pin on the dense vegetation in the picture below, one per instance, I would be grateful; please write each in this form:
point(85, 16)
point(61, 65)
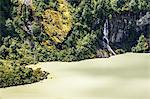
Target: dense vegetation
point(57, 30)
point(142, 45)
point(12, 75)
point(67, 30)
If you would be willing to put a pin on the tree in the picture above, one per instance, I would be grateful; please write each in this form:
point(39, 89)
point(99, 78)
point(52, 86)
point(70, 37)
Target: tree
point(5, 7)
point(142, 45)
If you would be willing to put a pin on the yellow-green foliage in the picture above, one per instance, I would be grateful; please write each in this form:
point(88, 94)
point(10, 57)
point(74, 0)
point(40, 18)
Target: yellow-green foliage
point(19, 75)
point(57, 24)
point(129, 5)
point(120, 7)
point(142, 45)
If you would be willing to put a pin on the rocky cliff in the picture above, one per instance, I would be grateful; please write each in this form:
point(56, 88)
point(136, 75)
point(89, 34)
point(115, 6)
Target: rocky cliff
point(126, 28)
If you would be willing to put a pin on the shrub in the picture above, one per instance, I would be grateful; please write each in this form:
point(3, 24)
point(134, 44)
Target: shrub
point(120, 51)
point(142, 45)
point(14, 49)
point(19, 75)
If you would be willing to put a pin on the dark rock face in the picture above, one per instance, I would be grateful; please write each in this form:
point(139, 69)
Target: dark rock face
point(126, 28)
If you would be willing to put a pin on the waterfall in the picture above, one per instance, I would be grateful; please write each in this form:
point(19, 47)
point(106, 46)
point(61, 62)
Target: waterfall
point(105, 37)
point(27, 2)
point(28, 24)
point(105, 32)
point(30, 29)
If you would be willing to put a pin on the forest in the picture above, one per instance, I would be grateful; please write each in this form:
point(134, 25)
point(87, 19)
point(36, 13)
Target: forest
point(33, 31)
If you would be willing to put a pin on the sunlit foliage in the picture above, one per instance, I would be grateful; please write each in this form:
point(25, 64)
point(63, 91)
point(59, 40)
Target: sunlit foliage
point(12, 75)
point(142, 45)
point(57, 23)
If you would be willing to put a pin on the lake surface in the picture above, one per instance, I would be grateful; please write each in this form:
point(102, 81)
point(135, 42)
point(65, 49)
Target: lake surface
point(124, 76)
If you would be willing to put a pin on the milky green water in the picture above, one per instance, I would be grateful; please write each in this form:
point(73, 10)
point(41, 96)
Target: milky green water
point(121, 77)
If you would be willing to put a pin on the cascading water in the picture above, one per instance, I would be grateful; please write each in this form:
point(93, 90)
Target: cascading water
point(105, 37)
point(27, 2)
point(28, 23)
